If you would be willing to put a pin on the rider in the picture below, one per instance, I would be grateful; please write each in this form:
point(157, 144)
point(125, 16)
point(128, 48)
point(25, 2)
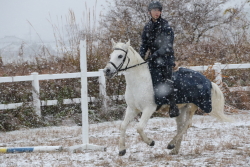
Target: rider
point(158, 38)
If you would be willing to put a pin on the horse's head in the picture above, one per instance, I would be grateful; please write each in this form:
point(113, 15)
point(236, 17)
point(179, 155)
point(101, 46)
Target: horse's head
point(118, 59)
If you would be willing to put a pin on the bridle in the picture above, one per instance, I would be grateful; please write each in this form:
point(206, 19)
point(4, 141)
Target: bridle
point(123, 61)
point(119, 68)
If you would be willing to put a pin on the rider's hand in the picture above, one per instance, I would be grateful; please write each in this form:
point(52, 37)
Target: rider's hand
point(153, 56)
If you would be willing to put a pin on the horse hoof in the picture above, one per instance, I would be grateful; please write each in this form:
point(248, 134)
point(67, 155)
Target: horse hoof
point(171, 146)
point(173, 153)
point(152, 143)
point(121, 153)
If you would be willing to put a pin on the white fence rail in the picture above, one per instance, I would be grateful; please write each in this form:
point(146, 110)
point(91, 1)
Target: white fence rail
point(218, 73)
point(35, 78)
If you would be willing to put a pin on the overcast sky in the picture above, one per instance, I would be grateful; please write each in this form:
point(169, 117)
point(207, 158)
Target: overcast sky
point(15, 14)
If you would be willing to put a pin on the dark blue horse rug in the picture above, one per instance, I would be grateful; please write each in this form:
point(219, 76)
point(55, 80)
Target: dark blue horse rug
point(192, 87)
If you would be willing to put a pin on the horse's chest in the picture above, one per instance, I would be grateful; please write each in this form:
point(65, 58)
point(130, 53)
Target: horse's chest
point(139, 89)
point(139, 93)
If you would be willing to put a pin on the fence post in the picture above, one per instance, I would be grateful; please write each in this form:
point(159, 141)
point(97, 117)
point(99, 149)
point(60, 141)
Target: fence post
point(84, 104)
point(84, 92)
point(102, 88)
point(218, 78)
point(35, 93)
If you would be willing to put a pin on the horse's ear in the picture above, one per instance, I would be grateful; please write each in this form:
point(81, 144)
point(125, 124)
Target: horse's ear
point(113, 42)
point(128, 43)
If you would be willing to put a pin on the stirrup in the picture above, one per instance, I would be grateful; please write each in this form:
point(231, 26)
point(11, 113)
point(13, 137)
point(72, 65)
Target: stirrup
point(174, 112)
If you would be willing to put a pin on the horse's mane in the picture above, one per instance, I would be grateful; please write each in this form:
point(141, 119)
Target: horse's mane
point(137, 56)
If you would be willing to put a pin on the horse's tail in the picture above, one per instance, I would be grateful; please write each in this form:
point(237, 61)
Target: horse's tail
point(218, 102)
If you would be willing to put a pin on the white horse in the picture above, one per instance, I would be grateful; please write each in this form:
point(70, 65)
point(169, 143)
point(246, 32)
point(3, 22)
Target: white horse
point(139, 96)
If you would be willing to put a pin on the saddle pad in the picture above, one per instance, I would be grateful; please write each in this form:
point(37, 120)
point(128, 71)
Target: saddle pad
point(192, 87)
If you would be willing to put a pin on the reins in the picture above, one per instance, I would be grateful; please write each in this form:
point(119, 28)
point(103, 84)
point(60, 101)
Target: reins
point(132, 66)
point(119, 68)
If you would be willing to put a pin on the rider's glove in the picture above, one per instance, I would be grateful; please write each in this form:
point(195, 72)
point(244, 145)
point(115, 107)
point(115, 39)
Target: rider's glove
point(153, 56)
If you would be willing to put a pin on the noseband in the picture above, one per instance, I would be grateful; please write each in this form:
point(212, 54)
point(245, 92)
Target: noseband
point(119, 68)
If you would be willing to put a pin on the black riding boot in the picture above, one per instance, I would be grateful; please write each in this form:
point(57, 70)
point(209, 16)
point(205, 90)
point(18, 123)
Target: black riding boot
point(173, 110)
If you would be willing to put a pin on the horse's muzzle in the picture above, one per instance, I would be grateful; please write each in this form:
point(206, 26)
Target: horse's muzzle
point(108, 72)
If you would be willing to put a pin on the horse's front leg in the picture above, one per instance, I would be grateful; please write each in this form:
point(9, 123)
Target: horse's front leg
point(129, 116)
point(146, 114)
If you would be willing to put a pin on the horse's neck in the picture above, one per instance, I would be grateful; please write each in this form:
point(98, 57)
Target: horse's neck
point(134, 57)
point(139, 73)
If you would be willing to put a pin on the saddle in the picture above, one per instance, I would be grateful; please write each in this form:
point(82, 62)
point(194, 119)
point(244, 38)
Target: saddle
point(192, 87)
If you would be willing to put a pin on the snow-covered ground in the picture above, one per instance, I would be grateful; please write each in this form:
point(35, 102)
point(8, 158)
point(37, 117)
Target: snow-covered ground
point(207, 143)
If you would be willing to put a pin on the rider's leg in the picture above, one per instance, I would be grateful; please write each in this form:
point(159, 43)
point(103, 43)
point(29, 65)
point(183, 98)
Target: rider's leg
point(157, 79)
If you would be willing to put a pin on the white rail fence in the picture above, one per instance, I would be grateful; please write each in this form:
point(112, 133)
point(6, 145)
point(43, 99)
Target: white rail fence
point(35, 78)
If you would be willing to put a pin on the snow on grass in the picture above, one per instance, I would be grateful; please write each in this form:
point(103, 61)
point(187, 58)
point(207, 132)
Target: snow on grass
point(207, 143)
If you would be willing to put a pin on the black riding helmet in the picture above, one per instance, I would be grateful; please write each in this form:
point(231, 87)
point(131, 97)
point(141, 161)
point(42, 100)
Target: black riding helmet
point(155, 5)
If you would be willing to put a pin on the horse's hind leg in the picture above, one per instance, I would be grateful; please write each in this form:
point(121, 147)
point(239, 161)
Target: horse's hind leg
point(146, 114)
point(177, 145)
point(129, 116)
point(183, 121)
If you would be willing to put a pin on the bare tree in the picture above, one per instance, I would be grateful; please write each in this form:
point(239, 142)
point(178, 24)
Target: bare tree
point(192, 19)
point(196, 24)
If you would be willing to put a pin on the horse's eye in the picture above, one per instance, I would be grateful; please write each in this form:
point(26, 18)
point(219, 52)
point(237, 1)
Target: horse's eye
point(120, 56)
